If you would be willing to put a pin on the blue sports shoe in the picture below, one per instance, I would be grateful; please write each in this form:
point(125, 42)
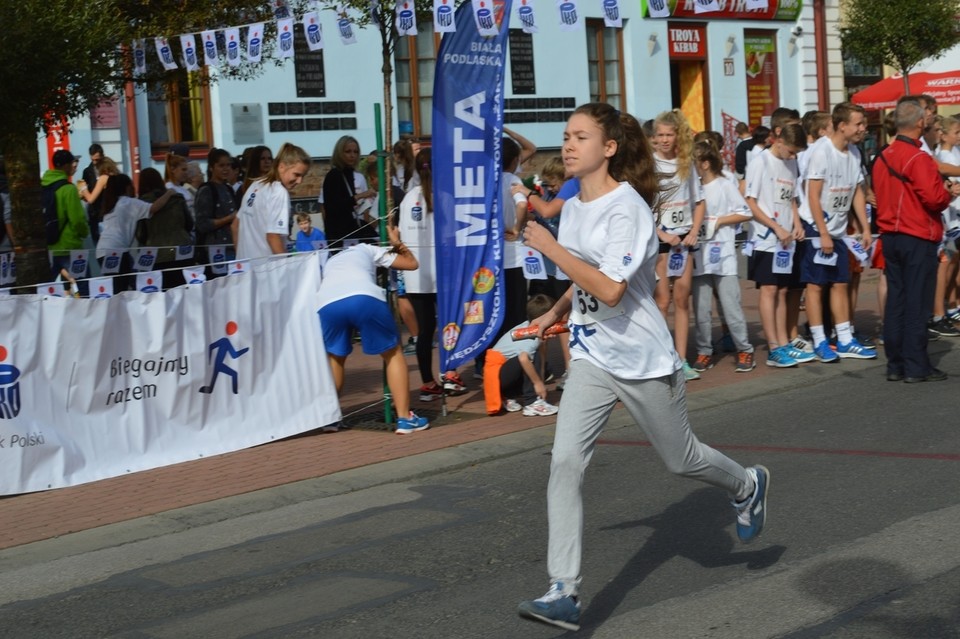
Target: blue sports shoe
point(780, 358)
point(802, 357)
point(411, 424)
point(855, 350)
point(752, 513)
point(554, 608)
point(824, 353)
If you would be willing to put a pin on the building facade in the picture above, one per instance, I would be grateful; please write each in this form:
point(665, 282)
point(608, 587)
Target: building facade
point(731, 62)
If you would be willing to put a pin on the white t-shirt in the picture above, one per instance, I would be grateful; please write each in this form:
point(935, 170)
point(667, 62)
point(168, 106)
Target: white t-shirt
point(677, 200)
point(512, 251)
point(773, 183)
point(510, 348)
point(400, 175)
point(120, 226)
point(840, 173)
point(353, 271)
point(416, 231)
point(265, 209)
point(951, 215)
point(722, 199)
point(615, 233)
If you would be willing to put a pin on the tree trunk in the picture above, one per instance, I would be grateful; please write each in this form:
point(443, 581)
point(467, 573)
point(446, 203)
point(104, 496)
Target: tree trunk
point(387, 70)
point(23, 173)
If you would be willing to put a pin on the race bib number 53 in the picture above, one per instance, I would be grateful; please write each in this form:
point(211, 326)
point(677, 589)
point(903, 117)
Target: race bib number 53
point(587, 309)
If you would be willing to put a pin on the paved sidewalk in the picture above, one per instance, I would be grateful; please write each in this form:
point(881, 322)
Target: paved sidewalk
point(37, 516)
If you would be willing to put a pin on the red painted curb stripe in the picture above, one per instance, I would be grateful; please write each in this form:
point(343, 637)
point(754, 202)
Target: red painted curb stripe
point(814, 451)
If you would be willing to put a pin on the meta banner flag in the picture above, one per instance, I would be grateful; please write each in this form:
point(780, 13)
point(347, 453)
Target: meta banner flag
point(468, 220)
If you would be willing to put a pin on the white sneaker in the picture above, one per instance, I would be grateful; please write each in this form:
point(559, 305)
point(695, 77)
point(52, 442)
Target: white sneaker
point(563, 380)
point(801, 344)
point(512, 406)
point(540, 408)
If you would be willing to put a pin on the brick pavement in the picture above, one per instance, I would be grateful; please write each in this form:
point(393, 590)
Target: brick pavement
point(43, 515)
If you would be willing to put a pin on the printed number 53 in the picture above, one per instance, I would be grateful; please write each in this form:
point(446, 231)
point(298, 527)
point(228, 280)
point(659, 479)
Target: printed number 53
point(586, 302)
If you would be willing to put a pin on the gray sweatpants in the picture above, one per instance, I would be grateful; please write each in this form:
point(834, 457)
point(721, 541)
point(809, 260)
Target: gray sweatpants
point(659, 407)
point(728, 293)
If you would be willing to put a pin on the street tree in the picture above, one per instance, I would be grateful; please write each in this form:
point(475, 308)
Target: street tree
point(899, 34)
point(60, 58)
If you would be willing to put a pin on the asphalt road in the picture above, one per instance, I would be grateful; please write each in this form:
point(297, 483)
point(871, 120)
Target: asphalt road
point(861, 540)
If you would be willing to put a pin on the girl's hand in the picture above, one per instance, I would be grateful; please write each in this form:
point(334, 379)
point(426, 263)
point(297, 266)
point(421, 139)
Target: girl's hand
point(521, 189)
point(537, 237)
point(689, 240)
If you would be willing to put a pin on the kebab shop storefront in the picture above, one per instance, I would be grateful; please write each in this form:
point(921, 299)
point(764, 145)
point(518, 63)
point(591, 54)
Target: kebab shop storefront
point(730, 64)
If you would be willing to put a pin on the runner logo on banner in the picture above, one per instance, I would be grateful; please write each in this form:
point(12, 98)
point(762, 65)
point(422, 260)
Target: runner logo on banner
point(468, 127)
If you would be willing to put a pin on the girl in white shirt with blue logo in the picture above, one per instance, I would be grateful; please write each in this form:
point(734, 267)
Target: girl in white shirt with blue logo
point(620, 346)
point(680, 212)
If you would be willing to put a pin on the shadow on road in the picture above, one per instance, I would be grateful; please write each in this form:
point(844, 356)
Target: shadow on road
point(694, 528)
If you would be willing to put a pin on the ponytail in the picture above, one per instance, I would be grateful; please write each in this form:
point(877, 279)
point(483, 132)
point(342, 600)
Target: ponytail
point(426, 177)
point(288, 154)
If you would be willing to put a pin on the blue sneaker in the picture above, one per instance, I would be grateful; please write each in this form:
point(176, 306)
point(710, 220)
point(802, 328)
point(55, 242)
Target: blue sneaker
point(554, 608)
point(802, 357)
point(855, 350)
point(824, 353)
point(411, 424)
point(752, 513)
point(780, 358)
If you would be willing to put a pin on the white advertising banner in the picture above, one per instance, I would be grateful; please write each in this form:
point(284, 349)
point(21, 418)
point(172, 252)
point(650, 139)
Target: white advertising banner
point(96, 388)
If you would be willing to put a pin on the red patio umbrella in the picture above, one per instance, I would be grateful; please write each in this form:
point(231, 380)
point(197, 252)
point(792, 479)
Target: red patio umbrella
point(945, 87)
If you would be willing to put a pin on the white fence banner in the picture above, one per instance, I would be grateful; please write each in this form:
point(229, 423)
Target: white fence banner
point(96, 388)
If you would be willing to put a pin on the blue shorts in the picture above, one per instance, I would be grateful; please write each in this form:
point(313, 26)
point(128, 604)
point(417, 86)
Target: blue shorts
point(370, 316)
point(821, 274)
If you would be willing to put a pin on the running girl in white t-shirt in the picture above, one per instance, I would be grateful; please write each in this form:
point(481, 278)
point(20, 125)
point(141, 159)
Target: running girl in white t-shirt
point(680, 212)
point(619, 344)
point(262, 225)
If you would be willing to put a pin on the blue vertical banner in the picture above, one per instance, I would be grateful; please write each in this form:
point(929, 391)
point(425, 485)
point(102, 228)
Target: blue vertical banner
point(468, 219)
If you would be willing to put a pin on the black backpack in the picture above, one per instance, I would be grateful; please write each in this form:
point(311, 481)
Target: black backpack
point(48, 202)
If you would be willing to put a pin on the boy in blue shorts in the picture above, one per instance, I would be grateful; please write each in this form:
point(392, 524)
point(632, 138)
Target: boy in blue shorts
point(351, 300)
point(832, 182)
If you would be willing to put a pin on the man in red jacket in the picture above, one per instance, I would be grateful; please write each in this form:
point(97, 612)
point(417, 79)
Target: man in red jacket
point(910, 197)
